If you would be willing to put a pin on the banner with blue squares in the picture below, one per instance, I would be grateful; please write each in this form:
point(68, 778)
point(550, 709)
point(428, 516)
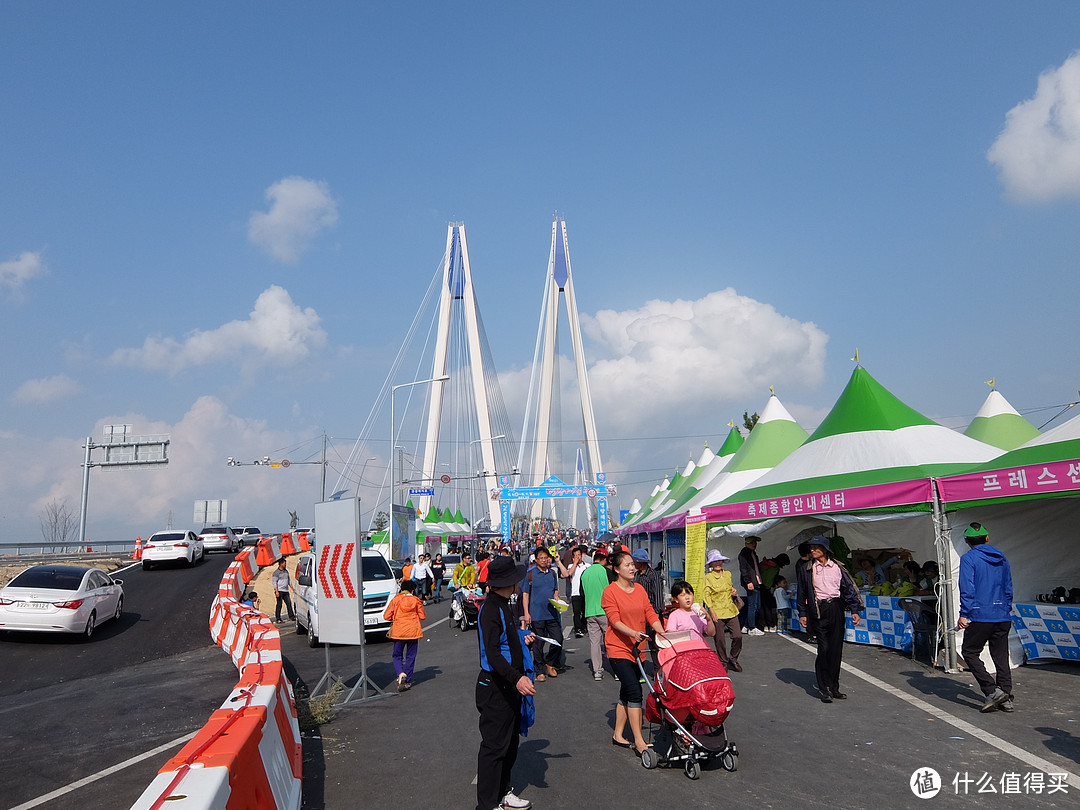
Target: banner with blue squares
point(883, 623)
point(1048, 630)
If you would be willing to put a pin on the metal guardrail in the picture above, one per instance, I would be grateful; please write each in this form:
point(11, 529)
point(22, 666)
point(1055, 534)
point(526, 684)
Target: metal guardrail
point(42, 548)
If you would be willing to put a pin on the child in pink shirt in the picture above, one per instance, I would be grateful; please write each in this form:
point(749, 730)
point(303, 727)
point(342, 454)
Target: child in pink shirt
point(687, 615)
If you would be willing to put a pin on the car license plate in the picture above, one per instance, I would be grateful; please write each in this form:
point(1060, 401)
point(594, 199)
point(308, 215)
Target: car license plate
point(371, 620)
point(34, 605)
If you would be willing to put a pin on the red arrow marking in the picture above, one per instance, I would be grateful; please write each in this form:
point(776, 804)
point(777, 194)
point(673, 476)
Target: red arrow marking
point(334, 571)
point(345, 572)
point(322, 572)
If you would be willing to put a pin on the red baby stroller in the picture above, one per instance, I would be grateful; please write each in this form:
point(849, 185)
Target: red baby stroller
point(690, 699)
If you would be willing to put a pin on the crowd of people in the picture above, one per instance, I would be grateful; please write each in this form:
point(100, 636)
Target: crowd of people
point(618, 599)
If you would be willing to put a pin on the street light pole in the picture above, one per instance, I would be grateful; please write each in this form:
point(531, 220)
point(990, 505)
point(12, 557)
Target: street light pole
point(393, 439)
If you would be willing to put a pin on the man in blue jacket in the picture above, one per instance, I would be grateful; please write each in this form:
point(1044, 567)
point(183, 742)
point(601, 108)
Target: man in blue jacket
point(985, 608)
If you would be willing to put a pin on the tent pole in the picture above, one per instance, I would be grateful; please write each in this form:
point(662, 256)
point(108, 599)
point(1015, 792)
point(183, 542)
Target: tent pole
point(946, 608)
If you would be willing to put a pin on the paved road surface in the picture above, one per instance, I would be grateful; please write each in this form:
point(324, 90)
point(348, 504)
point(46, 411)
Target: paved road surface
point(418, 749)
point(70, 708)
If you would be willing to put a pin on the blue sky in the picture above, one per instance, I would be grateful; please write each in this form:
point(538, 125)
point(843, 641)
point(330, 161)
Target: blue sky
point(217, 220)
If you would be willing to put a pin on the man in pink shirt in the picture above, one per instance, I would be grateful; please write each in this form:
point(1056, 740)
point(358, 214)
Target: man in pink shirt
point(826, 590)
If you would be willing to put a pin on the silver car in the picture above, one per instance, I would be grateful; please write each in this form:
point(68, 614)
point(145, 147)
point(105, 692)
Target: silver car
point(172, 546)
point(219, 538)
point(60, 599)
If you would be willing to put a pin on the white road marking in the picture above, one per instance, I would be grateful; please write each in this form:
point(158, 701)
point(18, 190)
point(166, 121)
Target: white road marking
point(86, 780)
point(992, 740)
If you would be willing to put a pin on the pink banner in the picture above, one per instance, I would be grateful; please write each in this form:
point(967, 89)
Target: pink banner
point(845, 499)
point(1034, 479)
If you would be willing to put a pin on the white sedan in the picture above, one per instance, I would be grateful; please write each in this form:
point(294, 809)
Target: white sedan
point(60, 599)
point(172, 546)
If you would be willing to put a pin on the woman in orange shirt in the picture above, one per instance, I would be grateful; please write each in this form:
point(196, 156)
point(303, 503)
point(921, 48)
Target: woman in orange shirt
point(406, 611)
point(629, 613)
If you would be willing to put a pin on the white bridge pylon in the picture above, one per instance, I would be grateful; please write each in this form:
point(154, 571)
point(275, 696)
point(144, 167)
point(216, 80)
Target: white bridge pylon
point(457, 288)
point(559, 287)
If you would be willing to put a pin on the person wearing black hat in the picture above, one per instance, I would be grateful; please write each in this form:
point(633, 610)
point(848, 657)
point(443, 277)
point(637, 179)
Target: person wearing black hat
point(504, 688)
point(826, 590)
point(985, 608)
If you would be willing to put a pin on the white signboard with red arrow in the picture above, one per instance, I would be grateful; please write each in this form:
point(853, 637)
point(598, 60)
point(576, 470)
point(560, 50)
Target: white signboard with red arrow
point(340, 590)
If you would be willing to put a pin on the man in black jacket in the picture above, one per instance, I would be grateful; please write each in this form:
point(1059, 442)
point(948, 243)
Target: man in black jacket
point(826, 590)
point(501, 686)
point(750, 577)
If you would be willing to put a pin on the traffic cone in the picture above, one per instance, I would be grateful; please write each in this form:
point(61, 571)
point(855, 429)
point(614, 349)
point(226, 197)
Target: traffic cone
point(137, 555)
point(89, 548)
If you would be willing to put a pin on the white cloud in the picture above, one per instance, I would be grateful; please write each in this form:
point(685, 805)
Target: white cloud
point(1038, 152)
point(672, 360)
point(45, 390)
point(124, 504)
point(299, 209)
point(277, 333)
point(14, 273)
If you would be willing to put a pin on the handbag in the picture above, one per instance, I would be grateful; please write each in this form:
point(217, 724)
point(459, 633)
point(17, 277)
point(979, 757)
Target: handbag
point(740, 603)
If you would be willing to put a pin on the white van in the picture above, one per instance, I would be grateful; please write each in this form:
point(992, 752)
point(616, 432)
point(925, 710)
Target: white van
point(379, 588)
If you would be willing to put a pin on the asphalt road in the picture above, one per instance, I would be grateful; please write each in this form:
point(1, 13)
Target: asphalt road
point(71, 708)
point(419, 748)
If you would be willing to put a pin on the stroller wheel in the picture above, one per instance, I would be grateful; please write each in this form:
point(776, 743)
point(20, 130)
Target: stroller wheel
point(463, 623)
point(649, 758)
point(693, 770)
point(729, 761)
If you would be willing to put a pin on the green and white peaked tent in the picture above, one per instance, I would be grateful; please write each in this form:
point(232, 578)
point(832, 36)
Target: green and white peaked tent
point(690, 482)
point(1000, 424)
point(871, 452)
point(655, 497)
point(773, 438)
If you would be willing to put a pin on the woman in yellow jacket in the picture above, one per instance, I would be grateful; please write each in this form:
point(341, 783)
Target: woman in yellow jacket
point(406, 611)
point(719, 598)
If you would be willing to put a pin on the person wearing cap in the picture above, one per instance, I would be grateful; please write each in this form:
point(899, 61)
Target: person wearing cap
point(504, 688)
point(985, 607)
point(649, 578)
point(719, 597)
point(280, 582)
point(826, 590)
point(750, 578)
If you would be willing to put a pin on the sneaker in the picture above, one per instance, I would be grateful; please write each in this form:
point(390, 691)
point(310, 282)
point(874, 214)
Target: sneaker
point(994, 700)
point(598, 676)
point(756, 632)
point(401, 682)
point(512, 802)
point(1007, 706)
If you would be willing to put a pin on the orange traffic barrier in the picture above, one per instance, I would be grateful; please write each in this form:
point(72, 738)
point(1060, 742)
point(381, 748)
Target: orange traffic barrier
point(137, 554)
point(303, 540)
point(266, 555)
point(287, 545)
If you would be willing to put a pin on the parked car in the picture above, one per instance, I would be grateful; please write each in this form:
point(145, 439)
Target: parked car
point(219, 538)
point(172, 546)
point(247, 535)
point(60, 599)
point(379, 588)
point(451, 562)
